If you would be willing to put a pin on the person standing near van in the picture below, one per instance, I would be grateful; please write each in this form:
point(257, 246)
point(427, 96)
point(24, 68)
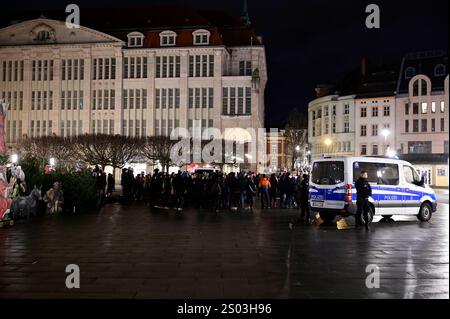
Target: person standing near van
point(363, 191)
point(304, 199)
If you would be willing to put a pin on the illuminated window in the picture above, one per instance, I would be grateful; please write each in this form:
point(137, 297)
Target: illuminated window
point(424, 107)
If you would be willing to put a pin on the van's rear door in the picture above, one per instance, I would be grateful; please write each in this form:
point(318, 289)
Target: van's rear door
point(327, 184)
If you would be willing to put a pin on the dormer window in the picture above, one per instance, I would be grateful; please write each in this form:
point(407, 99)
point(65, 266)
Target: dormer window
point(410, 72)
point(135, 39)
point(439, 70)
point(167, 38)
point(201, 37)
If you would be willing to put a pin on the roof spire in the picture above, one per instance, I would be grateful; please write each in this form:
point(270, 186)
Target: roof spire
point(244, 15)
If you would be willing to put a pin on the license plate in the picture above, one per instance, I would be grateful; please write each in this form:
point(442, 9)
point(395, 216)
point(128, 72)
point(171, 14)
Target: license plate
point(317, 204)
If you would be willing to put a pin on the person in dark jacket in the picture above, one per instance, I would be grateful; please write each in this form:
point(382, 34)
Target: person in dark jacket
point(363, 192)
point(111, 184)
point(304, 199)
point(251, 192)
point(273, 191)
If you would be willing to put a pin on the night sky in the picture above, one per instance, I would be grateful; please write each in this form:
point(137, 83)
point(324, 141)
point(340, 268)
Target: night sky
point(314, 42)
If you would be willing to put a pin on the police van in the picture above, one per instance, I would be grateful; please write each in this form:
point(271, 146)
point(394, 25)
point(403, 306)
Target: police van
point(396, 186)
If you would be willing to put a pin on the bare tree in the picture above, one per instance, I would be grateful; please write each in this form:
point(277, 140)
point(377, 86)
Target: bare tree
point(123, 149)
point(44, 147)
point(296, 134)
point(94, 148)
point(157, 148)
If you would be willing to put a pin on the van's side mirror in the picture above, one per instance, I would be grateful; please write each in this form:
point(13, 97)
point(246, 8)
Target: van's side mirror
point(422, 180)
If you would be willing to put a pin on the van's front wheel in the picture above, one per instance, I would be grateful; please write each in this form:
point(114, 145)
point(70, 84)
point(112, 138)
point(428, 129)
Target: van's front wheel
point(424, 212)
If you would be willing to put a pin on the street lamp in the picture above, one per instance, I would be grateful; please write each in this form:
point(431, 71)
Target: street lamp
point(14, 158)
point(52, 161)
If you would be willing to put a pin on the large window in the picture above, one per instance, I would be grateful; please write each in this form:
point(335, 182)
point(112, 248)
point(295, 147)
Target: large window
point(419, 147)
point(379, 173)
point(424, 125)
point(375, 111)
point(363, 149)
point(375, 149)
point(363, 111)
point(201, 65)
point(415, 126)
point(363, 130)
point(328, 173)
point(375, 130)
point(245, 68)
point(346, 109)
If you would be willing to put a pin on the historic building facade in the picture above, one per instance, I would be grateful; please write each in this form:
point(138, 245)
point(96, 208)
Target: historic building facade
point(394, 111)
point(331, 125)
point(422, 114)
point(143, 75)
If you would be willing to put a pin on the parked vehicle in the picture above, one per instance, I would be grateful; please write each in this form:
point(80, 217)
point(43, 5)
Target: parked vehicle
point(397, 188)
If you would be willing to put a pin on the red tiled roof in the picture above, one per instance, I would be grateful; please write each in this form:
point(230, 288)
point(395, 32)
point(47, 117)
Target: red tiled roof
point(151, 20)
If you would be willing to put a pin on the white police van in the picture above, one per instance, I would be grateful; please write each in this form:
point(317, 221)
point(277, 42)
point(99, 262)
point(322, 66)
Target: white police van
point(397, 188)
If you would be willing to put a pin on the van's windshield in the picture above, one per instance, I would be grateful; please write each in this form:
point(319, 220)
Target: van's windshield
point(328, 172)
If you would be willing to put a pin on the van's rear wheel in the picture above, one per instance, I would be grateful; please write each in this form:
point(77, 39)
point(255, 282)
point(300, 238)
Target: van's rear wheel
point(424, 212)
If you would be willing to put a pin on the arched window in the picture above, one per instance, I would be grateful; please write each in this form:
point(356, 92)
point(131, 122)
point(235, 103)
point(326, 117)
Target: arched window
point(410, 72)
point(416, 88)
point(439, 70)
point(423, 87)
point(43, 35)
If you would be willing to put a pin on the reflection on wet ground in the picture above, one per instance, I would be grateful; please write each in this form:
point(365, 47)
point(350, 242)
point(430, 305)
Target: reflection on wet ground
point(132, 252)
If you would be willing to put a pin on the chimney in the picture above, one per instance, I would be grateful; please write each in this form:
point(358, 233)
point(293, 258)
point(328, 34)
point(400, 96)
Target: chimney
point(363, 67)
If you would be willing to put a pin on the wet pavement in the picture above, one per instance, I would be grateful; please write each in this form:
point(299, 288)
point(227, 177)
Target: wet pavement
point(132, 252)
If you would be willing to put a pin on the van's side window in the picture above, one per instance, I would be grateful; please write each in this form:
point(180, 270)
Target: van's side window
point(371, 169)
point(379, 173)
point(410, 174)
point(388, 174)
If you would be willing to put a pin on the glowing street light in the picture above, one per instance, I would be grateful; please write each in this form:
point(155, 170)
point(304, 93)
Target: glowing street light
point(14, 158)
point(327, 142)
point(385, 133)
point(391, 153)
point(52, 161)
point(297, 148)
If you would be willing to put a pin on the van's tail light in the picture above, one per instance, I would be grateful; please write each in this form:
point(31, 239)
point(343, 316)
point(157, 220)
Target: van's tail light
point(348, 193)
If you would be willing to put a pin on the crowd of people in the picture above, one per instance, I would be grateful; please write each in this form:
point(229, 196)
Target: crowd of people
point(212, 191)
